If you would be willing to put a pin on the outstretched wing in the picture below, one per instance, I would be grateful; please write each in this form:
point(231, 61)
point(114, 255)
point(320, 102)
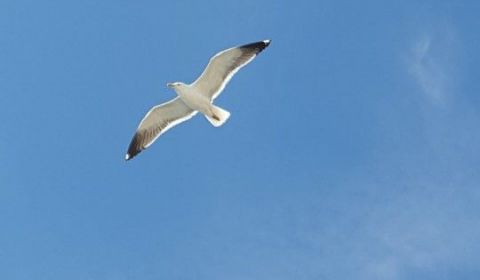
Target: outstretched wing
point(224, 65)
point(156, 122)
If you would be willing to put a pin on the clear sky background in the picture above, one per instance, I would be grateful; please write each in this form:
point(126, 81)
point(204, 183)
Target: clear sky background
point(352, 152)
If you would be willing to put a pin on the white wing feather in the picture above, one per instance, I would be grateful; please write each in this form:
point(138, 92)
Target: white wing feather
point(156, 122)
point(223, 66)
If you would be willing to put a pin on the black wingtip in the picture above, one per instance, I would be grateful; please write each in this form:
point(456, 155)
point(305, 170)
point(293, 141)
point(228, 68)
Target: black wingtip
point(131, 154)
point(128, 157)
point(257, 46)
point(134, 148)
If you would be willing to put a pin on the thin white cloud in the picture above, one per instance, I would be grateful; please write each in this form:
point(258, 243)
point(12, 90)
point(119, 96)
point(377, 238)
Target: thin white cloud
point(430, 61)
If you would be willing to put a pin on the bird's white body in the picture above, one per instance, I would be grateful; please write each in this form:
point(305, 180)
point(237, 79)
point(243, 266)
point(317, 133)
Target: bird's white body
point(199, 102)
point(192, 98)
point(195, 97)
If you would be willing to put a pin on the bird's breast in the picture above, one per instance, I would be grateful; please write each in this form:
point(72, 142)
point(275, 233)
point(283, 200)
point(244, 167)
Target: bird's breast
point(194, 100)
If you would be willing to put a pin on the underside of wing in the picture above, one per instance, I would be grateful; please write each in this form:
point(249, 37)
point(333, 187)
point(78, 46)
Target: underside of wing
point(224, 65)
point(156, 122)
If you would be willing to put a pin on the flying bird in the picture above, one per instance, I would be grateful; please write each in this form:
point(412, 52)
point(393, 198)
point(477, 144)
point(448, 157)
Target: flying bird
point(195, 97)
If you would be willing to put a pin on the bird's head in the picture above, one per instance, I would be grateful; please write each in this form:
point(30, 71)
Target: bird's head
point(175, 85)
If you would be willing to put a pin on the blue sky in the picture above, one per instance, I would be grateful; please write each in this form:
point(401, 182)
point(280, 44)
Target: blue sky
point(352, 152)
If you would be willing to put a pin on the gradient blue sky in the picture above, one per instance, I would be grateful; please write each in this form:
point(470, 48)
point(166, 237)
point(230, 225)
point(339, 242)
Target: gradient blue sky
point(352, 152)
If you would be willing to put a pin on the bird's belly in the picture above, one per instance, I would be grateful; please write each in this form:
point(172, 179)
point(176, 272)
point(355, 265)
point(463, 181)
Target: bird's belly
point(195, 101)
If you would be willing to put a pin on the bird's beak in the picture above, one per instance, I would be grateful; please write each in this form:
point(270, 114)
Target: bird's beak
point(170, 85)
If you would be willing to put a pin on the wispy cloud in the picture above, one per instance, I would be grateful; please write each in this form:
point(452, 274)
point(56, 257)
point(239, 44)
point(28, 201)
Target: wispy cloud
point(430, 61)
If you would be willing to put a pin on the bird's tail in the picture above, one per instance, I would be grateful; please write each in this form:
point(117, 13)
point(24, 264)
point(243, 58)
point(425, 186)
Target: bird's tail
point(217, 116)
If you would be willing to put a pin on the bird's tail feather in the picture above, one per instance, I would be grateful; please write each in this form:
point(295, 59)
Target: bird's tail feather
point(218, 116)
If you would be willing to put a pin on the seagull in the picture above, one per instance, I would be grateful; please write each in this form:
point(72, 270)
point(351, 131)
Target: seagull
point(195, 97)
